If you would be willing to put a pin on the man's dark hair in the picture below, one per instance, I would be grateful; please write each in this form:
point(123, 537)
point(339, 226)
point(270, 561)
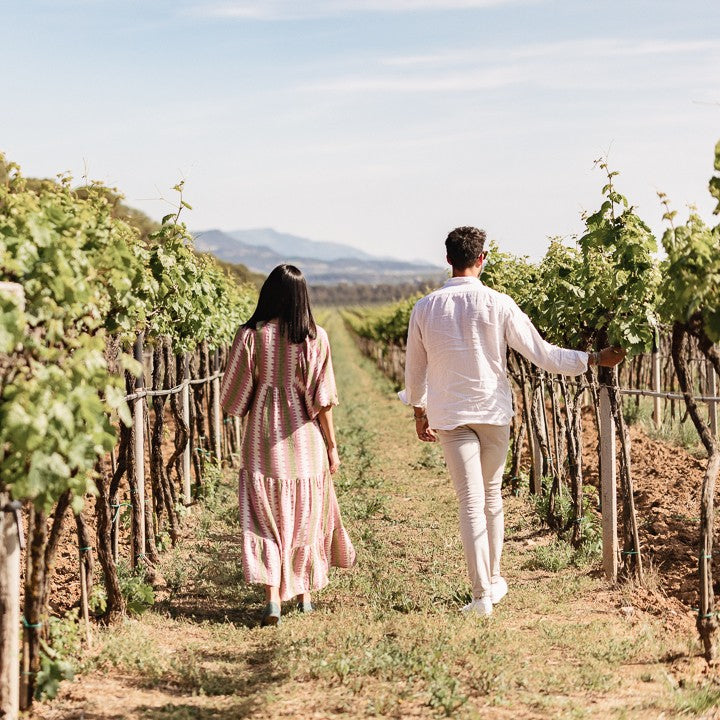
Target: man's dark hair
point(464, 246)
point(284, 296)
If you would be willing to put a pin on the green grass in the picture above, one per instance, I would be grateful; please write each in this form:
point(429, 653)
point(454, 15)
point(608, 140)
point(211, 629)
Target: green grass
point(673, 431)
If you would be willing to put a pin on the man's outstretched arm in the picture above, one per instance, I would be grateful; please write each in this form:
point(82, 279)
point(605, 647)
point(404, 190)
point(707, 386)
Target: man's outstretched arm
point(522, 335)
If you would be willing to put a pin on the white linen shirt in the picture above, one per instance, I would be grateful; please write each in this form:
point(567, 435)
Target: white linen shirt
point(456, 363)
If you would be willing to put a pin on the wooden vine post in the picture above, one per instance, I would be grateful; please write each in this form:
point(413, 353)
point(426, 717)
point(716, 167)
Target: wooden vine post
point(656, 386)
point(608, 486)
point(138, 451)
point(186, 456)
point(11, 543)
point(712, 389)
point(217, 415)
point(84, 600)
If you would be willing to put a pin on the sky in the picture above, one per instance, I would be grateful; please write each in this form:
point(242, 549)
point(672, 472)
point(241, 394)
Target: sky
point(378, 123)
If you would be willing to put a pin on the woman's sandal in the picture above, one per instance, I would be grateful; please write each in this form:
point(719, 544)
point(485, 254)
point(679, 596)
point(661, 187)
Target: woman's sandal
point(271, 614)
point(305, 607)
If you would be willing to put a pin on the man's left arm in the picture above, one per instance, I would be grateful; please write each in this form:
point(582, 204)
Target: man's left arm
point(522, 335)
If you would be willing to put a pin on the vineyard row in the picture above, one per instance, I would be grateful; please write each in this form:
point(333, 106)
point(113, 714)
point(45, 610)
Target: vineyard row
point(111, 340)
point(608, 288)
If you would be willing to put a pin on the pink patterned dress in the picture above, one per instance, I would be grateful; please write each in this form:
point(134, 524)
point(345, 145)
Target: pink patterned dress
point(291, 525)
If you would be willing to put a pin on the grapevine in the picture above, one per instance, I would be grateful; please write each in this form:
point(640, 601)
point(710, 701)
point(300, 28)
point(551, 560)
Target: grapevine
point(92, 285)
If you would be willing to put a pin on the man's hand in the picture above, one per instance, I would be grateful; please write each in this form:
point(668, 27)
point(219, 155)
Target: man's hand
point(610, 356)
point(423, 430)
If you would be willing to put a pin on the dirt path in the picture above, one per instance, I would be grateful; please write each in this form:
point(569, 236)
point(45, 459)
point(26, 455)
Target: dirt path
point(387, 639)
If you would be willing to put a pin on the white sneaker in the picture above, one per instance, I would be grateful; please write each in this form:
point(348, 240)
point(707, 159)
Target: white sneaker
point(498, 590)
point(479, 606)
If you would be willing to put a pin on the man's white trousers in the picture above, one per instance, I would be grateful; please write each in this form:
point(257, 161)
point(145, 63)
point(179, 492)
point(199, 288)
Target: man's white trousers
point(475, 456)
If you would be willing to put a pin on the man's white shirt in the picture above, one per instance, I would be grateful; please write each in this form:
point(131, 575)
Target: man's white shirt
point(457, 344)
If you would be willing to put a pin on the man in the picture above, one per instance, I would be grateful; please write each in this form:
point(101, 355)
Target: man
point(456, 380)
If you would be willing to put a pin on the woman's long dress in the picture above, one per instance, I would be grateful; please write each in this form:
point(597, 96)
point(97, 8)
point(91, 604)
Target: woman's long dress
point(291, 525)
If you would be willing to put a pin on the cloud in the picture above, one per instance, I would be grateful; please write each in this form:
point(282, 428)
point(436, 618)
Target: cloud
point(586, 48)
point(489, 79)
point(295, 10)
point(593, 63)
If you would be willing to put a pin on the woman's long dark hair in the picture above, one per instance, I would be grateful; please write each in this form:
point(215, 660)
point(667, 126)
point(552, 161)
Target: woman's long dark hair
point(284, 296)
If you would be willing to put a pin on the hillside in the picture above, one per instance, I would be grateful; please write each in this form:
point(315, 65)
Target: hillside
point(286, 244)
point(364, 269)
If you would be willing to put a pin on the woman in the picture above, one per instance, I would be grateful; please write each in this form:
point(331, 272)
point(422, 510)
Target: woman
point(279, 373)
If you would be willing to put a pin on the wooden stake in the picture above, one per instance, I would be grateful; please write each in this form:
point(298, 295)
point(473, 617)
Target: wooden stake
point(608, 487)
point(115, 519)
point(217, 419)
point(139, 453)
point(11, 543)
point(185, 395)
point(84, 599)
point(712, 386)
point(657, 409)
point(536, 460)
point(9, 607)
point(116, 534)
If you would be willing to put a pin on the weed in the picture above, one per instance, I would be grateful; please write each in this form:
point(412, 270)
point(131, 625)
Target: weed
point(58, 654)
point(553, 557)
point(635, 413)
point(138, 594)
point(431, 458)
point(696, 700)
point(445, 694)
point(176, 575)
point(130, 650)
point(671, 430)
point(162, 541)
point(97, 602)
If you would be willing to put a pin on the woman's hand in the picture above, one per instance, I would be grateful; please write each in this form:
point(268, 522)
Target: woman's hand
point(423, 430)
point(333, 459)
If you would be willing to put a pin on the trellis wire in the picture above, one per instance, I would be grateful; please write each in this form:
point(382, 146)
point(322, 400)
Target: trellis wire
point(646, 393)
point(173, 390)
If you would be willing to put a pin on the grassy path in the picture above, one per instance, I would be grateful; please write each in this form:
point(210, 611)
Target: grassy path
point(387, 639)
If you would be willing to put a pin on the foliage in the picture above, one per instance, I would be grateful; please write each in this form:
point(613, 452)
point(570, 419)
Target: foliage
point(691, 273)
point(511, 274)
point(619, 274)
point(70, 256)
point(714, 185)
point(590, 537)
point(387, 324)
point(88, 274)
point(560, 297)
point(56, 655)
point(195, 299)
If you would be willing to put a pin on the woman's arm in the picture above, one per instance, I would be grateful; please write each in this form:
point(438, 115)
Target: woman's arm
point(238, 383)
point(328, 430)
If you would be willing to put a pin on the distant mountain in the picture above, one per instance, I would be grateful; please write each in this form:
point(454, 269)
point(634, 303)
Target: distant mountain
point(286, 244)
point(220, 244)
point(363, 268)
